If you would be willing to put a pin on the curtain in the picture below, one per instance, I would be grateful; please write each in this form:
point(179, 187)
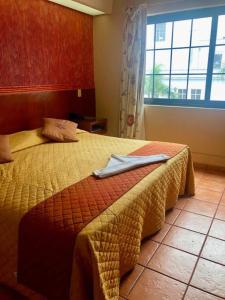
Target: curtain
point(133, 74)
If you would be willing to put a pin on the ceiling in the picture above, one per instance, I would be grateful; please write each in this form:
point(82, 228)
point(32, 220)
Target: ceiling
point(90, 7)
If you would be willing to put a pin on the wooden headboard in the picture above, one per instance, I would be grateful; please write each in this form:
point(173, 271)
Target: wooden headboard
point(26, 111)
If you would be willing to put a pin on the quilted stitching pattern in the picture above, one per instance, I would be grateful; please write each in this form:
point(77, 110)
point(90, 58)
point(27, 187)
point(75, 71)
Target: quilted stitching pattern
point(48, 231)
point(34, 177)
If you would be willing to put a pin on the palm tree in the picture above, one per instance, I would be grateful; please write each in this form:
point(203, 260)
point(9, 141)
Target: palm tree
point(222, 71)
point(160, 88)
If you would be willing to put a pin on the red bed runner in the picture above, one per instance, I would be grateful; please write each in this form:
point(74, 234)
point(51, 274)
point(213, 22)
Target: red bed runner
point(48, 231)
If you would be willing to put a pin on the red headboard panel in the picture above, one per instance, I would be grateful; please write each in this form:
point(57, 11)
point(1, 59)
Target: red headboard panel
point(26, 111)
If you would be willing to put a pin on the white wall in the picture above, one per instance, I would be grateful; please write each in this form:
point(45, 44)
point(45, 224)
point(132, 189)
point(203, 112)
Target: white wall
point(202, 129)
point(107, 63)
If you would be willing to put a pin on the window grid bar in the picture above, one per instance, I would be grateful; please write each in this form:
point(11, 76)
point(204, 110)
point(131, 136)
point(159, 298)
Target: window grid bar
point(181, 74)
point(211, 58)
point(189, 60)
point(171, 59)
point(180, 48)
point(153, 75)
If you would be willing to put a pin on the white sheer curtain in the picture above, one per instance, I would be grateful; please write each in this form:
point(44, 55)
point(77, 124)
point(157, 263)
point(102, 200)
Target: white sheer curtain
point(133, 73)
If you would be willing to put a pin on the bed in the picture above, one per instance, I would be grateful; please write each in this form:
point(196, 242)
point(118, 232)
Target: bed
point(108, 246)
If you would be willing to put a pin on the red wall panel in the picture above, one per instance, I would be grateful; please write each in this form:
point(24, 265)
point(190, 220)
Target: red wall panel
point(44, 46)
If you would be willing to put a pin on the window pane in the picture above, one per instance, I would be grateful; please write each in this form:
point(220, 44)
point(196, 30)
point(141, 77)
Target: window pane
point(199, 60)
point(180, 61)
point(196, 87)
point(178, 88)
point(201, 31)
point(148, 86)
point(162, 61)
point(182, 32)
point(218, 88)
point(150, 37)
point(149, 62)
point(163, 35)
point(161, 86)
point(221, 30)
point(219, 60)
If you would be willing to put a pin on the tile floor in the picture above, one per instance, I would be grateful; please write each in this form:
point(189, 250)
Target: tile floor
point(186, 259)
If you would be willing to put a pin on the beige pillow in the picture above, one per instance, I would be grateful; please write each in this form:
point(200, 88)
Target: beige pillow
point(5, 152)
point(59, 130)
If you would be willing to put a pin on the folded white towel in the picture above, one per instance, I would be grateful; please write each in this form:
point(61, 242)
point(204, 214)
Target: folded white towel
point(121, 163)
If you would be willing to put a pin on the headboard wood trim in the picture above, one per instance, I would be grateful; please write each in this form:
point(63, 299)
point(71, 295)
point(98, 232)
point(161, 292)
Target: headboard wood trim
point(25, 111)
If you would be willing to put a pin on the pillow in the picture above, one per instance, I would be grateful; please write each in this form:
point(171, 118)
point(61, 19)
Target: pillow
point(59, 130)
point(5, 152)
point(25, 139)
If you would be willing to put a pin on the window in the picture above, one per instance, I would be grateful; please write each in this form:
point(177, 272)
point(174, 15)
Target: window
point(196, 94)
point(182, 93)
point(185, 58)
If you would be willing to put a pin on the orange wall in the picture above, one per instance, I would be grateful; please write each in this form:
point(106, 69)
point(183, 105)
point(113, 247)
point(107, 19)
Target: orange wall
point(44, 46)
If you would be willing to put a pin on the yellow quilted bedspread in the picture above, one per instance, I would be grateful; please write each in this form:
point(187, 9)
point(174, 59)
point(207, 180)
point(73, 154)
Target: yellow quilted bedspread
point(107, 247)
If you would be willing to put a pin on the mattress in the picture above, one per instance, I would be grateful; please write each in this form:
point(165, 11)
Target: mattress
point(109, 245)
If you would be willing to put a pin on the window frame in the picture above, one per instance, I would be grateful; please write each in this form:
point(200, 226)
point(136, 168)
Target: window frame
point(214, 12)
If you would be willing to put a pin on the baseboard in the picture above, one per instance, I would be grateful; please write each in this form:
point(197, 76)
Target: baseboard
point(209, 167)
point(209, 161)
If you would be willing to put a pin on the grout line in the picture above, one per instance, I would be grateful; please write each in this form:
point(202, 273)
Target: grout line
point(169, 276)
point(135, 281)
point(189, 229)
point(212, 218)
point(205, 291)
point(202, 247)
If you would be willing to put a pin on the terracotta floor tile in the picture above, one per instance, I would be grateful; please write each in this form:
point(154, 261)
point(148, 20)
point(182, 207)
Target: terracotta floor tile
point(214, 177)
point(207, 195)
point(172, 215)
point(220, 214)
point(223, 199)
point(185, 240)
point(214, 250)
point(195, 294)
point(159, 236)
point(172, 262)
point(218, 229)
point(209, 277)
point(199, 173)
point(193, 222)
point(201, 207)
point(154, 286)
point(148, 248)
point(129, 280)
point(211, 185)
point(181, 202)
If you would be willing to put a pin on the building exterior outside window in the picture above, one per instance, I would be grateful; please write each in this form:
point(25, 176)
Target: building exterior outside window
point(182, 93)
point(160, 32)
point(196, 94)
